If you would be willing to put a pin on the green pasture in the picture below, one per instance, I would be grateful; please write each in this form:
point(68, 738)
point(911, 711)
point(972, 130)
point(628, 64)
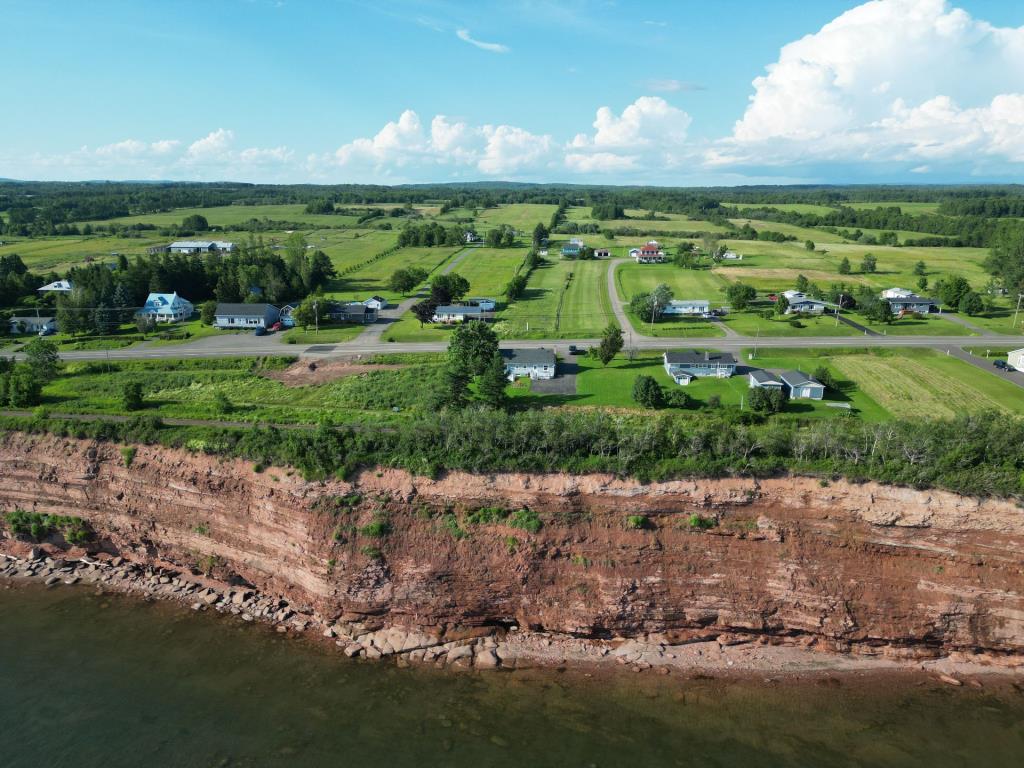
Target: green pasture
point(564, 299)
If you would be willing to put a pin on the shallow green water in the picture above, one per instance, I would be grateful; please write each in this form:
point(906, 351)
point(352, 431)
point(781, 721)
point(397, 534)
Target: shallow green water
point(107, 681)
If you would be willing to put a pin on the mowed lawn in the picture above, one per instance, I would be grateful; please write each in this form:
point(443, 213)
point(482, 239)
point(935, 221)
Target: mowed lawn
point(563, 299)
point(351, 247)
point(373, 278)
point(488, 270)
point(927, 384)
point(522, 216)
point(632, 278)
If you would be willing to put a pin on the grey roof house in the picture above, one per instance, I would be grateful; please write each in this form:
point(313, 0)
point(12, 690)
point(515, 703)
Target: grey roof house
point(683, 366)
point(801, 386)
point(351, 312)
point(762, 379)
point(245, 315)
point(911, 303)
point(536, 363)
point(32, 324)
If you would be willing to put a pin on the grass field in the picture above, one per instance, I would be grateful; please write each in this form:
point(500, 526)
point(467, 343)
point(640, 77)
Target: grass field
point(795, 207)
point(328, 334)
point(916, 209)
point(231, 215)
point(631, 279)
point(557, 306)
point(926, 384)
point(523, 216)
point(489, 270)
point(373, 278)
point(60, 253)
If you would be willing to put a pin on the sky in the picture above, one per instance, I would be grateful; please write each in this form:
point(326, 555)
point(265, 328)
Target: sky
point(679, 93)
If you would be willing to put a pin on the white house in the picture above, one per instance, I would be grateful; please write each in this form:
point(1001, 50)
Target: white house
point(167, 308)
point(688, 308)
point(684, 366)
point(58, 286)
point(201, 246)
point(32, 324)
point(245, 315)
point(1016, 359)
point(376, 303)
point(649, 253)
point(801, 303)
point(535, 363)
point(457, 313)
point(732, 256)
point(801, 386)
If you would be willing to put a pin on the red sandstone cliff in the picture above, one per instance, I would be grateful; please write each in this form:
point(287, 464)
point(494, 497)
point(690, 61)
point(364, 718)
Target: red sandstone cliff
point(847, 564)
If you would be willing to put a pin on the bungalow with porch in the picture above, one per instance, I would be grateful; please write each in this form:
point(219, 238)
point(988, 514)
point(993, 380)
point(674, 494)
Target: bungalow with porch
point(762, 379)
point(911, 303)
point(536, 363)
point(688, 308)
point(166, 308)
point(801, 386)
point(458, 313)
point(32, 324)
point(683, 366)
point(801, 303)
point(243, 316)
point(350, 312)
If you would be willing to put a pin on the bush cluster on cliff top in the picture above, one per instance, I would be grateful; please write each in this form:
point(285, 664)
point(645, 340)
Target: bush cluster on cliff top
point(973, 454)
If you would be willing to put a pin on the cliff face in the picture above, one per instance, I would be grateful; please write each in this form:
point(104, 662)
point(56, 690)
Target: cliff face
point(848, 565)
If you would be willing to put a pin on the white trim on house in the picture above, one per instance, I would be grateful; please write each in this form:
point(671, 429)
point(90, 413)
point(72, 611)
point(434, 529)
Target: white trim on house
point(1016, 359)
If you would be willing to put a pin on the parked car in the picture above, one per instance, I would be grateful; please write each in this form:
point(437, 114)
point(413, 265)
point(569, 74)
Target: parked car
point(1001, 365)
point(260, 331)
point(574, 350)
point(275, 327)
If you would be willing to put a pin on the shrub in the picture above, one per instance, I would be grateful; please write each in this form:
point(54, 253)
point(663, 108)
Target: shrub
point(371, 552)
point(526, 520)
point(377, 529)
point(637, 522)
point(40, 526)
point(487, 515)
point(128, 454)
point(699, 523)
point(131, 396)
point(647, 392)
point(222, 403)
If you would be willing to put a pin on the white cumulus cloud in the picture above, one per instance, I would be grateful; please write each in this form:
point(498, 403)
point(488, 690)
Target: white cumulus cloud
point(889, 80)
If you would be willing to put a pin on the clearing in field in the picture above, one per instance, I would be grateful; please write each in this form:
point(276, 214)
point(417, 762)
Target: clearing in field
point(929, 385)
point(563, 300)
point(521, 216)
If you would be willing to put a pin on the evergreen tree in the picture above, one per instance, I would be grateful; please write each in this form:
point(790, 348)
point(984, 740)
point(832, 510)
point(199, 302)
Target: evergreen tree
point(493, 383)
point(611, 343)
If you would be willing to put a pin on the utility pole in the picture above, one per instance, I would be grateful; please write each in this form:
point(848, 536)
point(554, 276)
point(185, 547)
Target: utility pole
point(1017, 310)
point(316, 317)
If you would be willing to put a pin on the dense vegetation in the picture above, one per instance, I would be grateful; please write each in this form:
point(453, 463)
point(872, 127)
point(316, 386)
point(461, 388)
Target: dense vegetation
point(978, 455)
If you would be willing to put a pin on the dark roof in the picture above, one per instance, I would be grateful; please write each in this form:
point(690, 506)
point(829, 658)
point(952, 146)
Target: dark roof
point(33, 318)
point(696, 357)
point(536, 356)
point(911, 300)
point(799, 379)
point(354, 308)
point(458, 309)
point(243, 310)
point(762, 376)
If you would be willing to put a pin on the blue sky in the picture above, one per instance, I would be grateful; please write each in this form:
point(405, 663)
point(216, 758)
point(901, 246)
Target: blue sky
point(608, 92)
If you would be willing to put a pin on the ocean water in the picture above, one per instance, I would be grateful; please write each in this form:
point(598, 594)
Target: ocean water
point(89, 680)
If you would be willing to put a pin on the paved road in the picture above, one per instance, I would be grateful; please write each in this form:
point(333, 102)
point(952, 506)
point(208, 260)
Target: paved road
point(985, 364)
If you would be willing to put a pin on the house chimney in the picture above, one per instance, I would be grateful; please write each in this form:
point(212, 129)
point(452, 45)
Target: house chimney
point(707, 356)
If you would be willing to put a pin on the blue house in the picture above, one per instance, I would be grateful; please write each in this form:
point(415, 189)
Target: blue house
point(167, 308)
point(573, 248)
point(687, 365)
point(801, 386)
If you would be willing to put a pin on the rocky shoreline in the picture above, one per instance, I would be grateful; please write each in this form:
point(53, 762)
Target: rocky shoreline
point(483, 648)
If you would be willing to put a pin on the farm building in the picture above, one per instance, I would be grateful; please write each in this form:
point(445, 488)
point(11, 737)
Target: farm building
point(648, 253)
point(896, 293)
point(32, 324)
point(683, 366)
point(761, 379)
point(376, 303)
point(801, 303)
point(732, 256)
point(602, 253)
point(201, 246)
point(911, 303)
point(245, 315)
point(57, 286)
point(688, 308)
point(487, 305)
point(166, 308)
point(536, 363)
point(458, 313)
point(1016, 359)
point(800, 386)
